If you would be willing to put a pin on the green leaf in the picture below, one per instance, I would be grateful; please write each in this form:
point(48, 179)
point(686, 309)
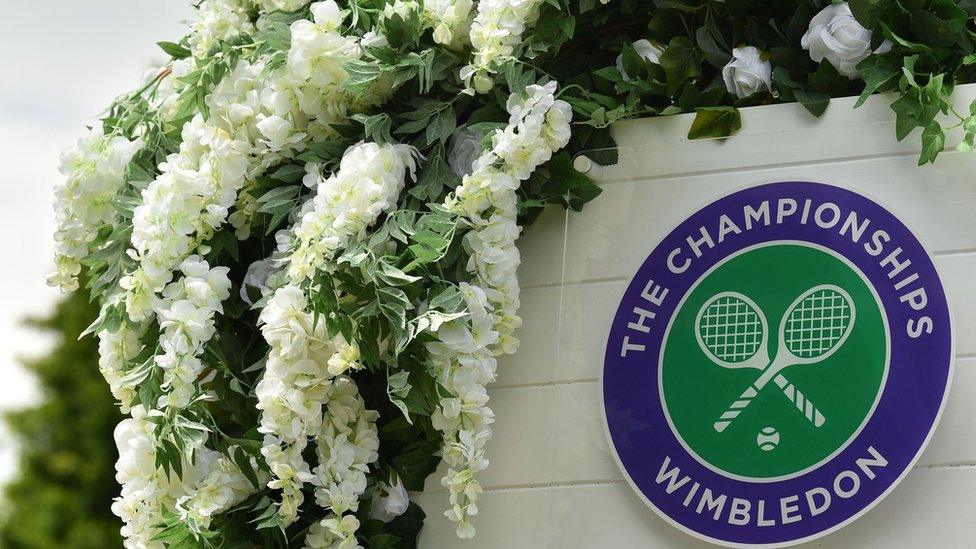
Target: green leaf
point(815, 102)
point(934, 30)
point(566, 186)
point(416, 463)
point(933, 142)
point(376, 127)
point(826, 79)
point(289, 173)
point(394, 304)
point(879, 74)
point(174, 50)
point(711, 122)
point(907, 110)
point(681, 61)
point(711, 41)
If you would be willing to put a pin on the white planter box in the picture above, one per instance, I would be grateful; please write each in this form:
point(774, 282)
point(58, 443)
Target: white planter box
point(553, 482)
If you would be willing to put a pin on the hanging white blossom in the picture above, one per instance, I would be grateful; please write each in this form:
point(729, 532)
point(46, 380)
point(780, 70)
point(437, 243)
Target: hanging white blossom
point(464, 354)
point(496, 31)
point(95, 171)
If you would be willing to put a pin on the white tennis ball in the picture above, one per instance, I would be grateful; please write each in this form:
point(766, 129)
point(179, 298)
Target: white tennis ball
point(767, 439)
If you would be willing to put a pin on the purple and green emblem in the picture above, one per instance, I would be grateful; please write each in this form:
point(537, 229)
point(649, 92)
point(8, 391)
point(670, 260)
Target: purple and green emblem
point(777, 364)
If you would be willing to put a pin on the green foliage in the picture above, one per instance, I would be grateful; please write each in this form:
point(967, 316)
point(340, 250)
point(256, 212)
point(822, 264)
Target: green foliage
point(933, 44)
point(65, 485)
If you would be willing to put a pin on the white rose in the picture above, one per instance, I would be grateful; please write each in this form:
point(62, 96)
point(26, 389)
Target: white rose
point(836, 36)
point(747, 73)
point(647, 51)
point(393, 504)
point(463, 148)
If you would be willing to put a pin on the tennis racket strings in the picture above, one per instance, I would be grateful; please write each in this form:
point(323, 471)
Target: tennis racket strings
point(818, 323)
point(731, 329)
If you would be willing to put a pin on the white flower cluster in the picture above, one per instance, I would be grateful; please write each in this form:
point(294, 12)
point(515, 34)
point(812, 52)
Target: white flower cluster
point(346, 445)
point(451, 20)
point(216, 21)
point(95, 171)
point(495, 33)
point(209, 485)
point(223, 487)
point(464, 353)
point(186, 202)
point(367, 183)
point(115, 350)
point(333, 533)
point(304, 358)
point(292, 392)
point(253, 122)
point(186, 314)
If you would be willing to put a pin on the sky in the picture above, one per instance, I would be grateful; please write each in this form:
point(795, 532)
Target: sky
point(61, 63)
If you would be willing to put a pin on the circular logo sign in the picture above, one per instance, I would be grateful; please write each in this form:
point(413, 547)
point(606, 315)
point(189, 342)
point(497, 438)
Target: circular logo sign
point(777, 364)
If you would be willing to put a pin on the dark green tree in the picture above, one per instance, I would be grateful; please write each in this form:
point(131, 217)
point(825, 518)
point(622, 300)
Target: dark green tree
point(65, 484)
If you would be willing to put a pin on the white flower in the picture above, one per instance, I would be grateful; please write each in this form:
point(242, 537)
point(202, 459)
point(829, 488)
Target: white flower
point(333, 533)
point(648, 52)
point(451, 20)
point(463, 148)
point(95, 172)
point(368, 183)
point(218, 20)
point(223, 487)
point(463, 354)
point(835, 35)
point(747, 73)
point(495, 32)
point(392, 504)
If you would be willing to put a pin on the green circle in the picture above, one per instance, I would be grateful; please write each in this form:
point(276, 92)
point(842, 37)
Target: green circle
point(843, 385)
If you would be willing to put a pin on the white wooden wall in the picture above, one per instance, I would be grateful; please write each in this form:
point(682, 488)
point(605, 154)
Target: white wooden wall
point(552, 481)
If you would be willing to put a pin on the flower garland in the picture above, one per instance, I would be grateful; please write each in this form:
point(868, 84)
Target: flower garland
point(304, 359)
point(463, 355)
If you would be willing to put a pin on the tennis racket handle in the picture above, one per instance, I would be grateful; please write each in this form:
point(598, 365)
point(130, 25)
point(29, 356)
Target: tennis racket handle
point(802, 403)
point(736, 408)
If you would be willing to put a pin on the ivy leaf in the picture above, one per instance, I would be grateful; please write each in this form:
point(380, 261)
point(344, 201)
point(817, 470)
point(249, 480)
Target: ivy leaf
point(416, 463)
point(397, 388)
point(681, 61)
point(815, 102)
point(565, 185)
point(394, 303)
point(879, 73)
point(361, 75)
point(711, 122)
point(933, 142)
point(826, 79)
point(907, 110)
point(711, 41)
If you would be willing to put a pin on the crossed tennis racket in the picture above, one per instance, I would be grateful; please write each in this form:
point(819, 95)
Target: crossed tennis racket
point(732, 331)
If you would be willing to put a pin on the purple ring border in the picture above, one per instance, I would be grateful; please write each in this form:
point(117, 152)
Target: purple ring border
point(631, 394)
